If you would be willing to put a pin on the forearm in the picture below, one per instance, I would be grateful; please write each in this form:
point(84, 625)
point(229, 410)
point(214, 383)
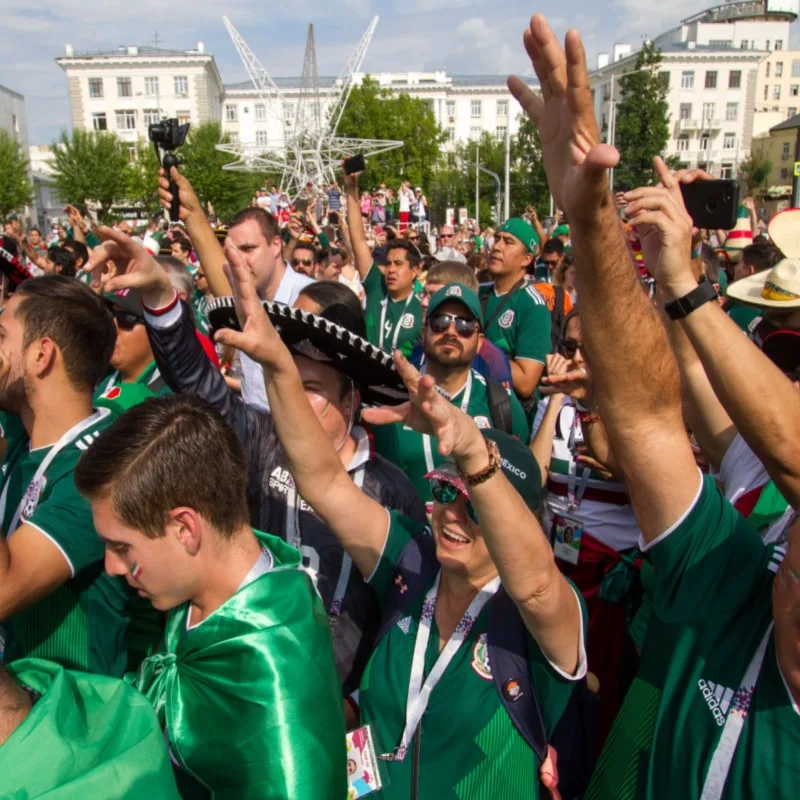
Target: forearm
point(753, 392)
point(78, 233)
point(537, 226)
point(358, 238)
point(210, 253)
point(525, 375)
point(542, 444)
point(598, 446)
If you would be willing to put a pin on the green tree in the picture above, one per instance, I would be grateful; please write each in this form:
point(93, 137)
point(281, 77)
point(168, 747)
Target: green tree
point(528, 178)
point(15, 185)
point(754, 171)
point(90, 167)
point(141, 179)
point(372, 113)
point(227, 191)
point(642, 122)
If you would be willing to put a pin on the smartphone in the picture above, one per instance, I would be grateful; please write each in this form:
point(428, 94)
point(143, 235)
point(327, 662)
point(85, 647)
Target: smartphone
point(354, 164)
point(301, 206)
point(712, 204)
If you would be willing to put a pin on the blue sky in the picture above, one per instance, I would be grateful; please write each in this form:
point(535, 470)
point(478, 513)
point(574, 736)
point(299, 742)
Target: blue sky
point(460, 36)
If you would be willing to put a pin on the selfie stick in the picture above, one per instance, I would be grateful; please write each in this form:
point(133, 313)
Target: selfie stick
point(170, 161)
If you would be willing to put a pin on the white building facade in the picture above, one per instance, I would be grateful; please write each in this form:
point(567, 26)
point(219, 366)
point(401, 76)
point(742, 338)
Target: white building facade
point(126, 90)
point(714, 65)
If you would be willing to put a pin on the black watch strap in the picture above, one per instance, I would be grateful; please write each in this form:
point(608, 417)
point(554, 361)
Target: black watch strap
point(683, 306)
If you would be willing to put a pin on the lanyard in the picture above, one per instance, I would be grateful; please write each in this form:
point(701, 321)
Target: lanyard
point(397, 325)
point(418, 692)
point(294, 537)
point(574, 498)
point(722, 759)
point(427, 445)
point(73, 433)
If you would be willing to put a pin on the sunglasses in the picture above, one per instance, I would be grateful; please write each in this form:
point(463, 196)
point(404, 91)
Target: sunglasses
point(445, 493)
point(304, 261)
point(568, 347)
point(445, 235)
point(550, 263)
point(126, 320)
point(465, 327)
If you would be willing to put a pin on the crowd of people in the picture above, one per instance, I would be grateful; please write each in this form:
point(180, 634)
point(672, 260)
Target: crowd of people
point(324, 503)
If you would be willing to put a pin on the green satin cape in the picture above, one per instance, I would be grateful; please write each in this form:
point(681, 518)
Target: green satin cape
point(88, 736)
point(250, 697)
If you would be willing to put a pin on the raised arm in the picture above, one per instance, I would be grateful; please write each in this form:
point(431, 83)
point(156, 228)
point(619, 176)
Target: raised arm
point(204, 240)
point(355, 226)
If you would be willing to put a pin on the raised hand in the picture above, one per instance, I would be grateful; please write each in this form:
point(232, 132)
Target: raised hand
point(190, 204)
point(350, 182)
point(575, 161)
point(563, 377)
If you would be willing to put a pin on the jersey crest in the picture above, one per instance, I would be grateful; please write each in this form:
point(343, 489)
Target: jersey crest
point(407, 321)
point(482, 422)
point(32, 495)
point(480, 658)
point(506, 319)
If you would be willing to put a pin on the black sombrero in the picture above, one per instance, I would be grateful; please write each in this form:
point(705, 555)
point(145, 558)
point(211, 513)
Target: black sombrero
point(325, 341)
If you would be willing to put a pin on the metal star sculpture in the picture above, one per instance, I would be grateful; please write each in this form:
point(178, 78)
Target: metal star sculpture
point(310, 150)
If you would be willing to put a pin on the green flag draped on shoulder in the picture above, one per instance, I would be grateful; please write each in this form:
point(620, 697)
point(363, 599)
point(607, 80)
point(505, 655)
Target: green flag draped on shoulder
point(249, 697)
point(87, 736)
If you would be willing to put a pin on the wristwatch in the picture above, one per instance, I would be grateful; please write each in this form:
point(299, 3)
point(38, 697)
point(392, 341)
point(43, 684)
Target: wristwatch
point(683, 306)
point(494, 464)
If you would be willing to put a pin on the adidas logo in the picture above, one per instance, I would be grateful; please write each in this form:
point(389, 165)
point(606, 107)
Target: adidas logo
point(405, 624)
point(718, 698)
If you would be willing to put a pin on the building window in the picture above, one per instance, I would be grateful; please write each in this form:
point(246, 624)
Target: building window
point(709, 109)
point(711, 80)
point(99, 122)
point(183, 117)
point(261, 112)
point(151, 87)
point(779, 69)
point(704, 140)
point(500, 131)
point(150, 116)
point(791, 112)
point(731, 111)
point(776, 92)
point(779, 44)
point(475, 133)
point(502, 108)
point(785, 151)
point(476, 108)
point(132, 153)
point(181, 83)
point(261, 138)
point(288, 111)
point(233, 137)
point(683, 144)
point(451, 134)
point(124, 88)
point(796, 68)
point(744, 44)
point(686, 111)
point(95, 87)
point(768, 66)
point(794, 89)
point(766, 92)
point(726, 171)
point(784, 174)
point(450, 108)
point(126, 120)
point(767, 45)
point(687, 80)
point(729, 142)
point(231, 113)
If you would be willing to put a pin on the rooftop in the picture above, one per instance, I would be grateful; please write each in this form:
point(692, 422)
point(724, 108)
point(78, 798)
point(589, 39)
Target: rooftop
point(787, 125)
point(327, 82)
point(743, 9)
point(133, 50)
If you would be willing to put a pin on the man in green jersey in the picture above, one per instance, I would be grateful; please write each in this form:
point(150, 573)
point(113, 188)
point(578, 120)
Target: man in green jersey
point(244, 682)
point(451, 339)
point(516, 316)
point(713, 712)
point(71, 734)
point(394, 313)
point(56, 337)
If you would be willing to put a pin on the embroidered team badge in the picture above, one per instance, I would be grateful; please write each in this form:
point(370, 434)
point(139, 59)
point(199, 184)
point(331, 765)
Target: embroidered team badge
point(506, 319)
point(453, 291)
point(32, 495)
point(407, 321)
point(482, 422)
point(480, 658)
point(405, 624)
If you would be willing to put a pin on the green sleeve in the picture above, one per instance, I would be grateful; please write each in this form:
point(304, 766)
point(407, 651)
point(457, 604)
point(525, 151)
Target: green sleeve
point(401, 531)
point(65, 518)
point(705, 563)
point(533, 332)
point(374, 284)
point(91, 240)
point(519, 420)
point(324, 241)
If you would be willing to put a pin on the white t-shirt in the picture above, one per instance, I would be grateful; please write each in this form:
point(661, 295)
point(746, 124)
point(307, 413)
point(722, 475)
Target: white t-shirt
point(612, 524)
point(254, 393)
point(265, 202)
point(405, 198)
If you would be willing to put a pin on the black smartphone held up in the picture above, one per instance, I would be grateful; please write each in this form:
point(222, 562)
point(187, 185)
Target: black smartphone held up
point(712, 204)
point(354, 164)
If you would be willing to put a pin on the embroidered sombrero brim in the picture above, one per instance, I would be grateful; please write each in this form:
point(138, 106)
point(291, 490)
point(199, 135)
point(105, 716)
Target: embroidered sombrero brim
point(324, 341)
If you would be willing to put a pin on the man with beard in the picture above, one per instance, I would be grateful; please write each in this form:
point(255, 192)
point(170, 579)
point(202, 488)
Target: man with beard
point(56, 337)
point(451, 339)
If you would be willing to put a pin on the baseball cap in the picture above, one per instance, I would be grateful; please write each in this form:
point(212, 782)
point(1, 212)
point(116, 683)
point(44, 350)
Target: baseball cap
point(457, 293)
point(521, 230)
point(129, 300)
point(517, 463)
point(776, 288)
point(561, 230)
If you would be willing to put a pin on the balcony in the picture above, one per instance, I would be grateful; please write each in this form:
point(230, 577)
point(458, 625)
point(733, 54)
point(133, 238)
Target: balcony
point(688, 125)
point(710, 124)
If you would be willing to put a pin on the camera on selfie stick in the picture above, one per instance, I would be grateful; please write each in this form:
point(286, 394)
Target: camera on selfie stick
point(167, 136)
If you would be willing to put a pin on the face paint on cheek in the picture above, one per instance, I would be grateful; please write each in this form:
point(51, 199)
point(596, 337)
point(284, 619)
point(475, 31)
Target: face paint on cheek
point(136, 571)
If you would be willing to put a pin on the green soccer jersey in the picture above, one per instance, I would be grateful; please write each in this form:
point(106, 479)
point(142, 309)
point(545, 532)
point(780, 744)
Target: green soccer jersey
point(522, 327)
point(417, 455)
point(391, 325)
point(712, 607)
point(151, 378)
point(469, 748)
point(81, 624)
point(200, 308)
point(743, 315)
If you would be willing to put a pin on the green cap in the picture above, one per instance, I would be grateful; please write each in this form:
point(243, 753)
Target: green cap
point(561, 230)
point(521, 230)
point(123, 396)
point(457, 293)
point(517, 463)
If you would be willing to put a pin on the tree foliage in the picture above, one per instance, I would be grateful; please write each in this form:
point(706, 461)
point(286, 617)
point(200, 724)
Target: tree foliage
point(90, 167)
point(15, 185)
point(373, 113)
point(754, 171)
point(642, 121)
point(227, 191)
point(141, 180)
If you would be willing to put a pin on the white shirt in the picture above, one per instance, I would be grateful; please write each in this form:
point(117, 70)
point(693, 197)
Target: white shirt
point(151, 243)
point(406, 196)
point(254, 393)
point(450, 254)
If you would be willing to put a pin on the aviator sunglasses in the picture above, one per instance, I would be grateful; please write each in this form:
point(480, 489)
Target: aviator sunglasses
point(445, 493)
point(126, 320)
point(465, 327)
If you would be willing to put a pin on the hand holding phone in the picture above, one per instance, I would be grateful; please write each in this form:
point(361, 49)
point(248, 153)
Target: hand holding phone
point(354, 164)
point(712, 204)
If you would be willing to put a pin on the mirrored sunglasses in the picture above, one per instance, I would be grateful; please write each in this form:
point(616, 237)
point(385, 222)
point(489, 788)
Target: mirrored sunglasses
point(445, 493)
point(465, 327)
